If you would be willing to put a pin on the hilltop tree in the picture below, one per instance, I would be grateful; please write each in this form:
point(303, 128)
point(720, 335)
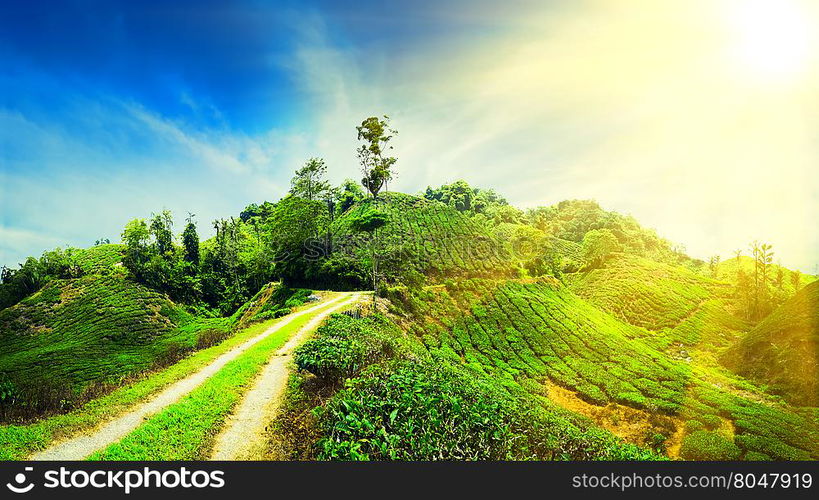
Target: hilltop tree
point(598, 245)
point(256, 212)
point(763, 261)
point(309, 180)
point(190, 241)
point(464, 198)
point(377, 168)
point(458, 195)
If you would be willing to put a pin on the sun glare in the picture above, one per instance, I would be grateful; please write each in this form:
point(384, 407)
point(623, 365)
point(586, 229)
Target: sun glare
point(774, 38)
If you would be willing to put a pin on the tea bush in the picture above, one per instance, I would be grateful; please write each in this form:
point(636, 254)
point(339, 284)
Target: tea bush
point(435, 411)
point(707, 445)
point(343, 346)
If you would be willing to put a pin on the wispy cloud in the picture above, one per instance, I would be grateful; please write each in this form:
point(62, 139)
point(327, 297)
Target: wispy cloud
point(68, 182)
point(641, 105)
point(638, 105)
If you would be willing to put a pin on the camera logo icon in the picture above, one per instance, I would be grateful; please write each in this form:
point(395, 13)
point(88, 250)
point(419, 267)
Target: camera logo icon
point(20, 479)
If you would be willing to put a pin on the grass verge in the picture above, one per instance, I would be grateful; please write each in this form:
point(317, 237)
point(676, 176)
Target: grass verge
point(19, 441)
point(186, 430)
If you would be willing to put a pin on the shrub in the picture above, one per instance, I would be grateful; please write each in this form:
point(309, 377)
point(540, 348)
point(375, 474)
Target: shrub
point(342, 347)
point(436, 411)
point(693, 425)
point(707, 445)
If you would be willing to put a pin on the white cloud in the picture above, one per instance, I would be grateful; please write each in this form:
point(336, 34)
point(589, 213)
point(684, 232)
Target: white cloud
point(633, 103)
point(71, 184)
point(636, 104)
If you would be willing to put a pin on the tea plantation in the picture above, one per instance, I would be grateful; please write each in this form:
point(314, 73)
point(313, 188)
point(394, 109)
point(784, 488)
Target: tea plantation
point(786, 339)
point(470, 351)
point(523, 333)
point(427, 237)
point(403, 402)
point(646, 293)
point(93, 329)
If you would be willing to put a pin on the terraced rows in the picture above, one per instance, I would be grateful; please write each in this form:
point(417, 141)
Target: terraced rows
point(534, 330)
point(710, 325)
point(93, 328)
point(526, 332)
point(99, 259)
point(645, 293)
point(432, 238)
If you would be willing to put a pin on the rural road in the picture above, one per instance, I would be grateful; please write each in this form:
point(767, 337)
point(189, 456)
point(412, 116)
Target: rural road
point(80, 447)
point(242, 437)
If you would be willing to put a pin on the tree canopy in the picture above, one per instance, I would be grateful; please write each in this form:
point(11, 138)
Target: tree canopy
point(377, 167)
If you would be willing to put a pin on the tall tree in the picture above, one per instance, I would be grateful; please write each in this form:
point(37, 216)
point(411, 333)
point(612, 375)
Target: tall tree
point(378, 169)
point(162, 231)
point(309, 181)
point(227, 247)
point(190, 241)
point(763, 261)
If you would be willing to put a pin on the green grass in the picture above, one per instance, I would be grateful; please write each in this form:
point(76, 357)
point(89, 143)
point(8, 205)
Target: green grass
point(186, 429)
point(20, 441)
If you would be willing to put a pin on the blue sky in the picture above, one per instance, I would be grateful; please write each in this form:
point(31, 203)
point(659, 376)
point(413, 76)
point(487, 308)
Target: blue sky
point(113, 110)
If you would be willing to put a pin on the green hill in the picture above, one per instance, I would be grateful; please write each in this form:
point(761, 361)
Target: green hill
point(75, 338)
point(529, 334)
point(680, 308)
point(502, 328)
point(426, 236)
point(80, 335)
point(782, 352)
point(645, 293)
